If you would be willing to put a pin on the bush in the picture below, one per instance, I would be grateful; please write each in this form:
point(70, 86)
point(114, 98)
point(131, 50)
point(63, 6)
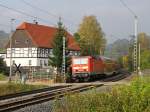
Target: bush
point(11, 88)
point(133, 98)
point(2, 77)
point(145, 59)
point(3, 68)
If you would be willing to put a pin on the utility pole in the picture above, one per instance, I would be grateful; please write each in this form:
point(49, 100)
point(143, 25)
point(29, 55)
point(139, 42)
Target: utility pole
point(136, 48)
point(139, 67)
point(10, 39)
point(64, 58)
point(135, 59)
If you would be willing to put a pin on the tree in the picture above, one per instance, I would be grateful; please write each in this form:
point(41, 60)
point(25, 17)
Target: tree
point(3, 66)
point(144, 41)
point(145, 59)
point(77, 37)
point(91, 36)
point(57, 58)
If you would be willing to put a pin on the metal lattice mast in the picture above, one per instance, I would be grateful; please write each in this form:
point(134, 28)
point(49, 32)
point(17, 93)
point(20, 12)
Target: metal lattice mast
point(135, 55)
point(10, 37)
point(64, 57)
point(135, 44)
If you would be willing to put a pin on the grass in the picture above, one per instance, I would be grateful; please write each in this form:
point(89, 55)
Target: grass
point(131, 98)
point(10, 88)
point(3, 77)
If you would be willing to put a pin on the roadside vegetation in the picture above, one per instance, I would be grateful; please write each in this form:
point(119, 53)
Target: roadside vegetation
point(10, 88)
point(3, 68)
point(132, 98)
point(2, 77)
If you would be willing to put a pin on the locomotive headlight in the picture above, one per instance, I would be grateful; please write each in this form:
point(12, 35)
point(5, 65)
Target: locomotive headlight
point(85, 75)
point(85, 67)
point(76, 67)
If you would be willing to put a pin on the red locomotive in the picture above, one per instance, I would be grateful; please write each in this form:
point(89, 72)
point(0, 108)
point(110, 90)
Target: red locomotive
point(87, 67)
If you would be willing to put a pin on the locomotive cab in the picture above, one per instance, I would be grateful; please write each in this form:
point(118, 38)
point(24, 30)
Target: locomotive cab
point(86, 67)
point(80, 68)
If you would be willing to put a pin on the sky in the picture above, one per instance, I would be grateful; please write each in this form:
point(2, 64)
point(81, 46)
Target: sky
point(115, 19)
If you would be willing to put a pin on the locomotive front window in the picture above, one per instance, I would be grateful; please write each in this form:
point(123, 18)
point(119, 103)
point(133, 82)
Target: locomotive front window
point(76, 61)
point(84, 61)
point(80, 61)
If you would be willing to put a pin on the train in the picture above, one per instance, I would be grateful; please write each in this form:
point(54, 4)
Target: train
point(89, 67)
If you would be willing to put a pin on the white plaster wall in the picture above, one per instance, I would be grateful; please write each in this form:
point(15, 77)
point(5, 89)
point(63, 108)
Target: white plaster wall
point(22, 52)
point(24, 55)
point(43, 62)
point(22, 61)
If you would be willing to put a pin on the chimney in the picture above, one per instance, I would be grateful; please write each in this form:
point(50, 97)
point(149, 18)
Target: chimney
point(35, 22)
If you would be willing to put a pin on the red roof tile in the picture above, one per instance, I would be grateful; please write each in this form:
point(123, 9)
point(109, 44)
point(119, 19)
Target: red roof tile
point(42, 36)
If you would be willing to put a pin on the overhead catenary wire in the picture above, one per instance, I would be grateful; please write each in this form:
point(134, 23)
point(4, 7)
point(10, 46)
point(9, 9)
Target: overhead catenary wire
point(130, 10)
point(40, 9)
point(23, 13)
point(136, 56)
point(4, 25)
point(16, 19)
point(46, 12)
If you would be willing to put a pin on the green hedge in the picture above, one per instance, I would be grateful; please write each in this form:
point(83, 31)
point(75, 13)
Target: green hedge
point(133, 98)
point(2, 77)
point(10, 88)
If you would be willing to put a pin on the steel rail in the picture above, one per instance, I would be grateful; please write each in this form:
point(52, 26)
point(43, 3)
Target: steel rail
point(20, 94)
point(10, 106)
point(124, 74)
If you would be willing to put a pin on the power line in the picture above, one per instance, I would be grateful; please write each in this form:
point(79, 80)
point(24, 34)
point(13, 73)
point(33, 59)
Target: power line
point(4, 25)
point(23, 13)
point(135, 52)
point(35, 7)
point(44, 11)
point(16, 19)
point(130, 10)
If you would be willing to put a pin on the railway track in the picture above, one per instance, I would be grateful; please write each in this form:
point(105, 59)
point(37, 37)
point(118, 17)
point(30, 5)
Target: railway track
point(113, 78)
point(20, 94)
point(43, 97)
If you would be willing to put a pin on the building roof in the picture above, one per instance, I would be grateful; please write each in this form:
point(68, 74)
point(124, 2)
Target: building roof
point(42, 36)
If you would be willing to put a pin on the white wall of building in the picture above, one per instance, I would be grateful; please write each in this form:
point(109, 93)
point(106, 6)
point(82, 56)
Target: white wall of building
point(31, 56)
point(22, 52)
point(22, 61)
point(28, 61)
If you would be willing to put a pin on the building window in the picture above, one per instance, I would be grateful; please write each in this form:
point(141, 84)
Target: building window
point(27, 41)
point(30, 62)
point(16, 42)
point(45, 63)
point(13, 52)
point(13, 62)
point(43, 52)
point(50, 51)
point(41, 63)
point(46, 51)
point(30, 52)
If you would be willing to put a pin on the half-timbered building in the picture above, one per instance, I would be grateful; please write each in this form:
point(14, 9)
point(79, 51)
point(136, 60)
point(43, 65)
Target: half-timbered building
point(32, 45)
